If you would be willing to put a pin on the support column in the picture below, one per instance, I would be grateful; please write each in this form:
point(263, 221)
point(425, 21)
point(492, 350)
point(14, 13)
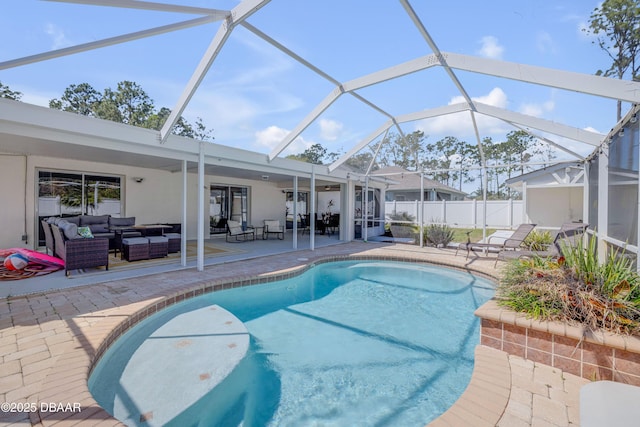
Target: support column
point(295, 213)
point(200, 245)
point(484, 204)
point(421, 210)
point(312, 217)
point(183, 219)
point(365, 213)
point(602, 227)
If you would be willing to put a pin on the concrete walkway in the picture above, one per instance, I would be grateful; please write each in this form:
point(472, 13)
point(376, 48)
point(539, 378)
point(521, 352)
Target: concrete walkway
point(49, 341)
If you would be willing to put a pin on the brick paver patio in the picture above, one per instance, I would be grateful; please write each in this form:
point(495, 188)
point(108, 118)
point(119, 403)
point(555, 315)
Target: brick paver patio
point(48, 342)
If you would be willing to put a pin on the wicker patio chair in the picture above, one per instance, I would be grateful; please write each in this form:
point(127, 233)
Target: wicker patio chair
point(48, 238)
point(79, 253)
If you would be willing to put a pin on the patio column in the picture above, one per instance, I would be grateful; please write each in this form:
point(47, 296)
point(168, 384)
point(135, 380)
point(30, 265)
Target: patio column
point(484, 204)
point(183, 220)
point(365, 211)
point(421, 209)
point(295, 212)
point(312, 217)
point(602, 227)
point(200, 245)
point(349, 210)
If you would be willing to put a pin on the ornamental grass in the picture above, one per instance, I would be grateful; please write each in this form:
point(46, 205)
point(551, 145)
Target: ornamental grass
point(575, 288)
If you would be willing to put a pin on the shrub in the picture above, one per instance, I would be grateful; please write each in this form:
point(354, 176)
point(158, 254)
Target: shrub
point(438, 235)
point(575, 288)
point(538, 241)
point(402, 229)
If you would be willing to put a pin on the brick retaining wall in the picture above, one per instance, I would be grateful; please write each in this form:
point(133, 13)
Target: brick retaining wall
point(590, 355)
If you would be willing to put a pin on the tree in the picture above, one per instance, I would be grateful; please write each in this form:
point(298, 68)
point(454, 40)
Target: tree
point(616, 23)
point(6, 92)
point(407, 152)
point(361, 161)
point(129, 104)
point(80, 99)
point(314, 154)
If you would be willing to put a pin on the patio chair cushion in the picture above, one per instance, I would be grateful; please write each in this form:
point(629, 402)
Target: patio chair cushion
point(69, 229)
point(122, 222)
point(97, 224)
point(272, 226)
point(235, 228)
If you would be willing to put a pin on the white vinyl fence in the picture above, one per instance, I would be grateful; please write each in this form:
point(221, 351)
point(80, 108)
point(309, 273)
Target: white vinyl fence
point(462, 214)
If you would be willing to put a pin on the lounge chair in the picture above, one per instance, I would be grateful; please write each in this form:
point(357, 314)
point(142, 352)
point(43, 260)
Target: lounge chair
point(273, 226)
point(235, 231)
point(567, 236)
point(511, 243)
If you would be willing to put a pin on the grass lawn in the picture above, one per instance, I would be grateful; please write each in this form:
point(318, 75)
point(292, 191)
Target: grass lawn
point(460, 234)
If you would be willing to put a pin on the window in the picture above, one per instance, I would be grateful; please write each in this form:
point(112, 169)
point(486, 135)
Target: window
point(77, 193)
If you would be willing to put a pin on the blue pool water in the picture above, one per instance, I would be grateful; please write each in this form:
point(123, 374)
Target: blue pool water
point(354, 343)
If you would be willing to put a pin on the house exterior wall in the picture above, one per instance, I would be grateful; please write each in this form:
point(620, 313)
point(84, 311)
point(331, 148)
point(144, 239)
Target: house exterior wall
point(156, 199)
point(551, 207)
point(13, 175)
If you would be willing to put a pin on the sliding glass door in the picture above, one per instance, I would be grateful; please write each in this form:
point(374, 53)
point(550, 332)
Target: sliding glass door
point(77, 193)
point(227, 203)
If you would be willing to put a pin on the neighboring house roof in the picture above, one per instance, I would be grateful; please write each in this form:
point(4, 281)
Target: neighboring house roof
point(408, 180)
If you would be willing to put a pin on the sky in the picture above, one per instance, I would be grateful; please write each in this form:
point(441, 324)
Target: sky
point(254, 95)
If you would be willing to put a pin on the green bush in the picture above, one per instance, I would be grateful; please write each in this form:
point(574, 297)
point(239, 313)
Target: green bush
point(575, 288)
point(538, 241)
point(438, 235)
point(401, 229)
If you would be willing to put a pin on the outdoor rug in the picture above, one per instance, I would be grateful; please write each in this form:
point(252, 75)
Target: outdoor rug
point(210, 250)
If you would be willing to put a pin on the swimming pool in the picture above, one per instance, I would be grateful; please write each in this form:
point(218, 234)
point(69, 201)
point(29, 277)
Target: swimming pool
point(345, 343)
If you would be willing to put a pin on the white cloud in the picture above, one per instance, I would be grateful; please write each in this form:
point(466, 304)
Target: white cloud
point(58, 38)
point(330, 130)
point(537, 110)
point(270, 137)
point(460, 125)
point(490, 48)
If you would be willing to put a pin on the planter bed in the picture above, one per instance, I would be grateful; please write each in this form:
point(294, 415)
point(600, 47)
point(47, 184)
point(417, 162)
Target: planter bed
point(592, 355)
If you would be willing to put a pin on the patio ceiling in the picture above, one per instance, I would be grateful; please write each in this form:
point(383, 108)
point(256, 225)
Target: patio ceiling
point(452, 64)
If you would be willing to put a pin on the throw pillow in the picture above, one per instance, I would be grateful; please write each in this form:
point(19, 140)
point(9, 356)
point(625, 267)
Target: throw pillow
point(85, 232)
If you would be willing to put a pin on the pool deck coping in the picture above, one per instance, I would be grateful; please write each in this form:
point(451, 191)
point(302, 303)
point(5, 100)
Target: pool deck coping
point(50, 341)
